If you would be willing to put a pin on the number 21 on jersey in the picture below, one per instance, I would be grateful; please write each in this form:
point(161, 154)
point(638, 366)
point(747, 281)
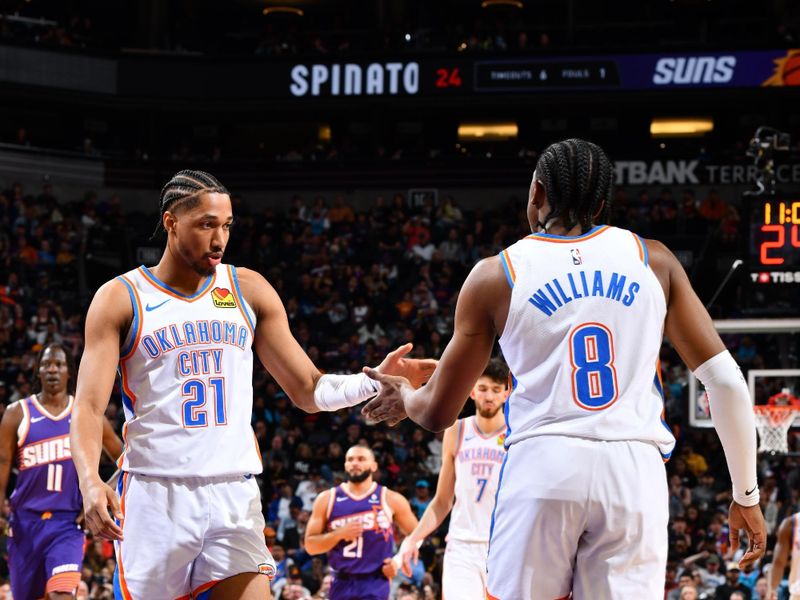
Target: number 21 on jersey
point(594, 377)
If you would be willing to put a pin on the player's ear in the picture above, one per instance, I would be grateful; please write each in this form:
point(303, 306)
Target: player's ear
point(169, 221)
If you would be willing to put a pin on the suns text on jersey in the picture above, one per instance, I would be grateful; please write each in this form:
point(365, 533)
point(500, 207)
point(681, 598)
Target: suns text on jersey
point(575, 286)
point(44, 452)
point(375, 519)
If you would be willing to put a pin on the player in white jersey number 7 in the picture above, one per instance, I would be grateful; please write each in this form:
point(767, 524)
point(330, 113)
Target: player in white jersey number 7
point(187, 511)
point(580, 309)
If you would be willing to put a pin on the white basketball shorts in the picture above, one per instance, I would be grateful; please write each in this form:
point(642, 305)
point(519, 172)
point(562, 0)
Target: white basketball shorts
point(183, 535)
point(579, 516)
point(464, 572)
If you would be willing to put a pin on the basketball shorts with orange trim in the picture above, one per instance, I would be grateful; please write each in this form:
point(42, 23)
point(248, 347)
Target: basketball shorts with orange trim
point(464, 571)
point(582, 516)
point(182, 535)
point(44, 554)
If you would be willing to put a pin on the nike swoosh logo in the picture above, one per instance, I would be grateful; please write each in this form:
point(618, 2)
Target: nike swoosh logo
point(340, 499)
point(148, 308)
point(37, 419)
point(746, 493)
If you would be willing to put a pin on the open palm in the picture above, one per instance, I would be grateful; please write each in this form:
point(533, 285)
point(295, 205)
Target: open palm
point(417, 370)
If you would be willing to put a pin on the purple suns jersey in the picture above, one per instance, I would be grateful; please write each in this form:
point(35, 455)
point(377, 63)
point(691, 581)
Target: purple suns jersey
point(47, 481)
point(367, 553)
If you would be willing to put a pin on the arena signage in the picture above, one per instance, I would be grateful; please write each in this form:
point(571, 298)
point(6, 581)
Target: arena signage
point(692, 172)
point(351, 79)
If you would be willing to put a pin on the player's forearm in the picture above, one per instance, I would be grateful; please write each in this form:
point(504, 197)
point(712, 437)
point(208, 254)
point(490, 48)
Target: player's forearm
point(732, 414)
point(425, 407)
point(431, 519)
point(322, 542)
point(776, 574)
point(86, 441)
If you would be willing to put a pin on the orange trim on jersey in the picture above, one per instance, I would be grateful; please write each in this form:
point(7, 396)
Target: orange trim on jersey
point(139, 312)
point(159, 286)
point(240, 302)
point(568, 240)
point(204, 587)
point(510, 266)
point(46, 413)
point(639, 246)
point(487, 436)
point(63, 582)
point(331, 500)
point(357, 498)
point(26, 419)
point(461, 431)
point(122, 583)
point(490, 597)
point(121, 457)
point(123, 381)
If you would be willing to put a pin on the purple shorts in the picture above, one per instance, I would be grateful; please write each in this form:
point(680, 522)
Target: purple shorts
point(40, 550)
point(360, 587)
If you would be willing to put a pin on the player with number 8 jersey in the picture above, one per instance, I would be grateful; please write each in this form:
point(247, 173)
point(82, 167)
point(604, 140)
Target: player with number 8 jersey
point(580, 309)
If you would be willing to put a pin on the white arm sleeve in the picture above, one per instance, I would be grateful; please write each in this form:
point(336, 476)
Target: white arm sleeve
point(732, 414)
point(342, 391)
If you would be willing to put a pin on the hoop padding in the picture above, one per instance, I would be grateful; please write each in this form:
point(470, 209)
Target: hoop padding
point(773, 423)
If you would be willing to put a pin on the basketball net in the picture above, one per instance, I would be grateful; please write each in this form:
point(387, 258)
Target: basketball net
point(773, 422)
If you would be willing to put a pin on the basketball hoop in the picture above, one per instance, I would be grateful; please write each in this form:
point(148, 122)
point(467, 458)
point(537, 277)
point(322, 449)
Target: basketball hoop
point(773, 423)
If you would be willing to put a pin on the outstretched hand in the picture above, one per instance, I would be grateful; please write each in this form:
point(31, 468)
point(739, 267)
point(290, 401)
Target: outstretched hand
point(751, 520)
point(389, 404)
point(416, 370)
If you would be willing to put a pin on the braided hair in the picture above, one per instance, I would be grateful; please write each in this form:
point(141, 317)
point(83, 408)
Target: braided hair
point(577, 177)
point(184, 190)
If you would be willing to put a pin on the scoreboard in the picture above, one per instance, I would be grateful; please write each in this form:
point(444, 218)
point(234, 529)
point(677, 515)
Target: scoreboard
point(463, 75)
point(775, 234)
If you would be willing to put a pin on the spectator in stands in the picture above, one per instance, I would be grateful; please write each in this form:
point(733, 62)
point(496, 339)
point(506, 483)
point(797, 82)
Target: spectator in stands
point(713, 208)
point(422, 497)
point(732, 585)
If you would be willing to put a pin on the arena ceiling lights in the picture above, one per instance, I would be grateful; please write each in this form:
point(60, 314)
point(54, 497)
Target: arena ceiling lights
point(492, 3)
point(288, 10)
point(484, 132)
point(682, 127)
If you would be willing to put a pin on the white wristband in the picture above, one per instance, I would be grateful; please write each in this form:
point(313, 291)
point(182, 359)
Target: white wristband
point(334, 392)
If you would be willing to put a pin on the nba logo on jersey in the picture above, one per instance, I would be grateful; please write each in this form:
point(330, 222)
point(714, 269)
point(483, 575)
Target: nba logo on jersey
point(576, 256)
point(223, 298)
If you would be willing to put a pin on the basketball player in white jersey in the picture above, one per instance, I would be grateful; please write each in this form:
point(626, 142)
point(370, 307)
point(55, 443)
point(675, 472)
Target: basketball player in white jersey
point(472, 455)
point(787, 547)
point(180, 334)
point(580, 310)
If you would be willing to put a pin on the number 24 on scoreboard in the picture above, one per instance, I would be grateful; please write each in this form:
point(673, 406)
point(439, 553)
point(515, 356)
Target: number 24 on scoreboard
point(776, 220)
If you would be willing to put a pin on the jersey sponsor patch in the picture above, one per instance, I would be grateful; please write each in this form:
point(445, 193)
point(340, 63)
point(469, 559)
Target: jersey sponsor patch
point(223, 298)
point(267, 569)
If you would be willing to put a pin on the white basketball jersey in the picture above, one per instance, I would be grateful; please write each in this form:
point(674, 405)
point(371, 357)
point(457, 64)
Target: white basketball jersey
point(794, 569)
point(478, 461)
point(186, 372)
point(584, 330)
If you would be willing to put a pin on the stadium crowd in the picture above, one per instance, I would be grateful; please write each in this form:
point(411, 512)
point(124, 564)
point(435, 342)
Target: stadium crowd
point(356, 283)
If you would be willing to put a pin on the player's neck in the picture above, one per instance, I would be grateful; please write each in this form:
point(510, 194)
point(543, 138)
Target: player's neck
point(177, 274)
point(53, 402)
point(358, 488)
point(490, 425)
point(556, 227)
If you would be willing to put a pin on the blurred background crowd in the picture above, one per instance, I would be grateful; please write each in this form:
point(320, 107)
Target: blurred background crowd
point(357, 283)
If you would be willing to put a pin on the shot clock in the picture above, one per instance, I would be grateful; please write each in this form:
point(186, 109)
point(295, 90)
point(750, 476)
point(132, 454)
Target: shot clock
point(775, 234)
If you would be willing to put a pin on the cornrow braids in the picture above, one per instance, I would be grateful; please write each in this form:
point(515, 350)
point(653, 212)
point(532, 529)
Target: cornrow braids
point(578, 178)
point(184, 189)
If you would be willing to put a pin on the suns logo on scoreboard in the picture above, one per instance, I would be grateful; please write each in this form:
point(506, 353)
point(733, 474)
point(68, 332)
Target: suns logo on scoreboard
point(223, 298)
point(787, 70)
